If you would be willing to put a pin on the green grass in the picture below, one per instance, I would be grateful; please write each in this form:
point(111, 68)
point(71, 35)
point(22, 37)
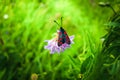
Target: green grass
point(30, 23)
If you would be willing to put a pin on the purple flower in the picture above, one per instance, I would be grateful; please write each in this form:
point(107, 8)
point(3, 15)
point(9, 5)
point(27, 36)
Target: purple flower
point(53, 47)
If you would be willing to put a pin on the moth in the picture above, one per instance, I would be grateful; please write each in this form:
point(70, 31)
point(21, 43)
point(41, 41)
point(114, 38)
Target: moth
point(62, 35)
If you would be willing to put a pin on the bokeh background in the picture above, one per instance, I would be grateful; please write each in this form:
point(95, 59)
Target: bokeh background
point(26, 24)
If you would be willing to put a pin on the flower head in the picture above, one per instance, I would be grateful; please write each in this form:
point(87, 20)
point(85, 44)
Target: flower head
point(34, 76)
point(53, 45)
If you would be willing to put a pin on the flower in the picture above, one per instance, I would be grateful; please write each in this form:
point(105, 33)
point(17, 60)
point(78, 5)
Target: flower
point(34, 76)
point(53, 47)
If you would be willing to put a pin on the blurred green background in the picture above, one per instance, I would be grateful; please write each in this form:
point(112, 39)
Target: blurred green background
point(26, 24)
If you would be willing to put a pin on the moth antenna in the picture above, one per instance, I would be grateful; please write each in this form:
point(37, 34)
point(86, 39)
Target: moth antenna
point(57, 23)
point(61, 20)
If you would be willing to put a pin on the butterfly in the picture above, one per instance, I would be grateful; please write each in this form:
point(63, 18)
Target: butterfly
point(62, 35)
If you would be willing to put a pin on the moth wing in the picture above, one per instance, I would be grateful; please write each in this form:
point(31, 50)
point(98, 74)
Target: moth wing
point(67, 39)
point(61, 39)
